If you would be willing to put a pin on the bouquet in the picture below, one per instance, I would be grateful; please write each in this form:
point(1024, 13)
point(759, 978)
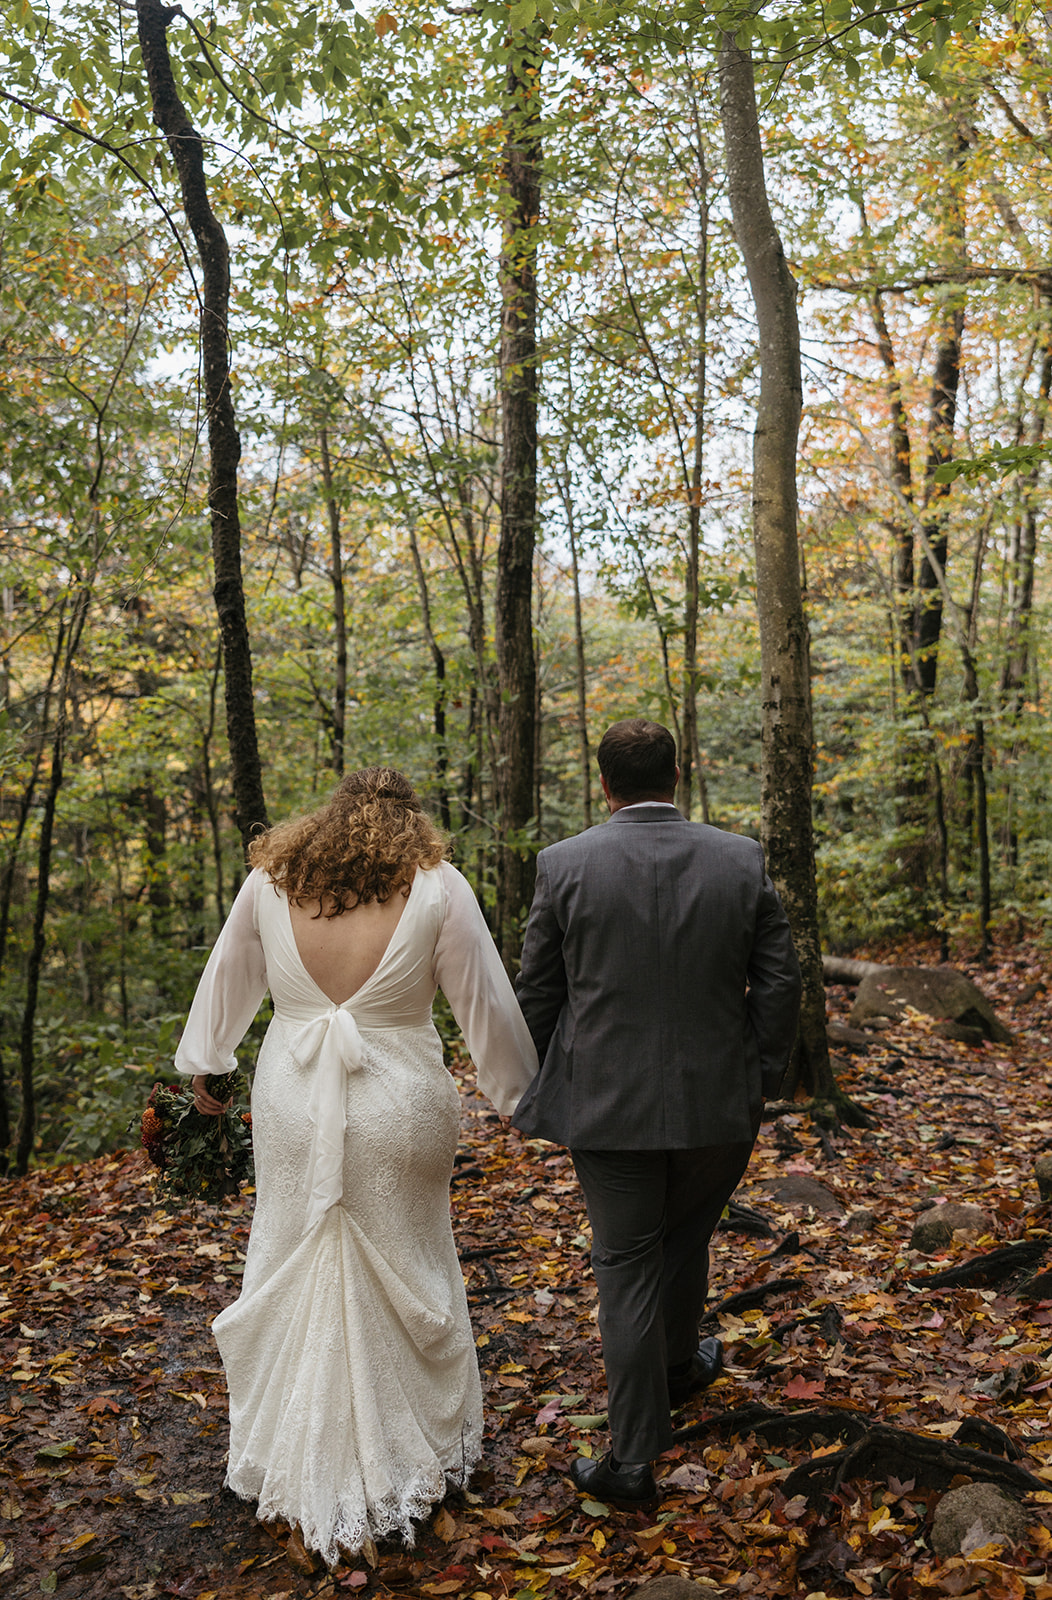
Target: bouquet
point(198, 1157)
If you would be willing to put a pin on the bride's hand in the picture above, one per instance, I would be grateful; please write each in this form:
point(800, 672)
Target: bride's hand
point(203, 1100)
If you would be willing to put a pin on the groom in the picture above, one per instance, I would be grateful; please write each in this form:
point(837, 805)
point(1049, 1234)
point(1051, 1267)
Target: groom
point(661, 989)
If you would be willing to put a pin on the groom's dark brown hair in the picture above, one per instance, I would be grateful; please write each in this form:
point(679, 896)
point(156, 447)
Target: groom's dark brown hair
point(638, 760)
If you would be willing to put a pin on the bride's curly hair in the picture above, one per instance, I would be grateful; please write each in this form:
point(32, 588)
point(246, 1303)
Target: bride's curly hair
point(365, 844)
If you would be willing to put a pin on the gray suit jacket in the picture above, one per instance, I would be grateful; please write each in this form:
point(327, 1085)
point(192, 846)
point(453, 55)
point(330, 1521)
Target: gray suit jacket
point(660, 985)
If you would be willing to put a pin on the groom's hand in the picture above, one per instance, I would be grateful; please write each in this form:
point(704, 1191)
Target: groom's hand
point(203, 1100)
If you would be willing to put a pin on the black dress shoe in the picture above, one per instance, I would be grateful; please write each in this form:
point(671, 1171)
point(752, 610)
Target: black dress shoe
point(705, 1364)
point(630, 1486)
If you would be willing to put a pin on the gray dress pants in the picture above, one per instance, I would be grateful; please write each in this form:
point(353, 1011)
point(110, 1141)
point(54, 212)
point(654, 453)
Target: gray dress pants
point(652, 1213)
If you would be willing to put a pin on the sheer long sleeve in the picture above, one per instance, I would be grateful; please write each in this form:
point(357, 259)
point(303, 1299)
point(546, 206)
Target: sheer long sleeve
point(228, 996)
point(468, 970)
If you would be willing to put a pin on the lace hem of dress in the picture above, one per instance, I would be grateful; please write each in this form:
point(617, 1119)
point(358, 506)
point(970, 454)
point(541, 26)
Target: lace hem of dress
point(335, 1531)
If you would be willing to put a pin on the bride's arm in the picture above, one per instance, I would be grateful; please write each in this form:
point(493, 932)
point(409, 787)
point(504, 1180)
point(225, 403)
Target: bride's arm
point(468, 970)
point(228, 996)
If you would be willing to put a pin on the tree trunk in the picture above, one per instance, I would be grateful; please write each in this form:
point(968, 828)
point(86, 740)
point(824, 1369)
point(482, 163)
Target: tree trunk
point(901, 527)
point(438, 661)
point(581, 670)
point(927, 621)
point(339, 610)
point(224, 444)
point(688, 759)
point(1016, 667)
point(7, 884)
point(784, 647)
point(28, 1119)
point(942, 417)
point(516, 665)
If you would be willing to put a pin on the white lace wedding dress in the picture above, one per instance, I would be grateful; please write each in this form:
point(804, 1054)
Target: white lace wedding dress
point(354, 1388)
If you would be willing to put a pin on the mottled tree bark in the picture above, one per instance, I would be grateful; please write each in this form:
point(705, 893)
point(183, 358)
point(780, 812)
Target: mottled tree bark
point(689, 755)
point(438, 661)
point(1021, 558)
point(339, 608)
point(901, 526)
point(7, 882)
point(35, 964)
point(513, 605)
point(787, 763)
point(224, 444)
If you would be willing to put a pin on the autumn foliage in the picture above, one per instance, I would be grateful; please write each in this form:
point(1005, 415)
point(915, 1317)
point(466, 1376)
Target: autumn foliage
point(113, 1405)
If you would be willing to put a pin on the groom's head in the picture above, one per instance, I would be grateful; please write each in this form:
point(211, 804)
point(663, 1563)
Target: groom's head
point(637, 761)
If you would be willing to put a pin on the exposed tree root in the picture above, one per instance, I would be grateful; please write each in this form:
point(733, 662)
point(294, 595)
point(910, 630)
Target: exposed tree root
point(992, 1268)
point(781, 1427)
point(874, 1451)
point(749, 1299)
point(985, 1435)
point(743, 1219)
point(884, 1452)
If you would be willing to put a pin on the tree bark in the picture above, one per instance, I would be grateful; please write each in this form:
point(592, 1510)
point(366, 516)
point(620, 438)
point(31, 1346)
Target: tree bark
point(339, 609)
point(787, 761)
point(581, 670)
point(7, 883)
point(438, 661)
point(516, 663)
point(34, 966)
point(902, 477)
point(1022, 555)
point(689, 763)
point(942, 417)
point(224, 444)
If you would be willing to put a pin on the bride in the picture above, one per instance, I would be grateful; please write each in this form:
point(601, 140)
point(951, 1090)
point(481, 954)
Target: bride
point(354, 1389)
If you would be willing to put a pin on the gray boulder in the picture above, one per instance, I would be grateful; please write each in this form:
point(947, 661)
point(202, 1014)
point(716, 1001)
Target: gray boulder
point(797, 1189)
point(934, 1228)
point(974, 1515)
point(936, 991)
point(672, 1587)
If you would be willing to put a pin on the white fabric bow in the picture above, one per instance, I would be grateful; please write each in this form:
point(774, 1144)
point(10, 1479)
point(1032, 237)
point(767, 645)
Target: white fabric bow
point(333, 1044)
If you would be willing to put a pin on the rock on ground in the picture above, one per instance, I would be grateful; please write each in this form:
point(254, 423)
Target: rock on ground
point(799, 1190)
point(671, 1587)
point(974, 1515)
point(936, 991)
point(1043, 1174)
point(934, 1228)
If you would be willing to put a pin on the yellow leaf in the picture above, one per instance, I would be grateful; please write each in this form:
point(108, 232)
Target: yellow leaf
point(445, 1525)
point(498, 1518)
point(79, 1542)
point(599, 1538)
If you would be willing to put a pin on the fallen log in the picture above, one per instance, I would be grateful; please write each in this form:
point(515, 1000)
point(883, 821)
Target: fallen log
point(840, 969)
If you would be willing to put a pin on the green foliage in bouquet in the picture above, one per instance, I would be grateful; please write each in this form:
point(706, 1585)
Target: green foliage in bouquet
point(198, 1157)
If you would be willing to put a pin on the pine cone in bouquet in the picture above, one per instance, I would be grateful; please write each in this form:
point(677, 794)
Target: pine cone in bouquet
point(198, 1157)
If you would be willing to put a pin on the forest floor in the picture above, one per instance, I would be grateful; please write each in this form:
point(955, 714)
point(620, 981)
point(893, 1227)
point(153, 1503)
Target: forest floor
point(113, 1409)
